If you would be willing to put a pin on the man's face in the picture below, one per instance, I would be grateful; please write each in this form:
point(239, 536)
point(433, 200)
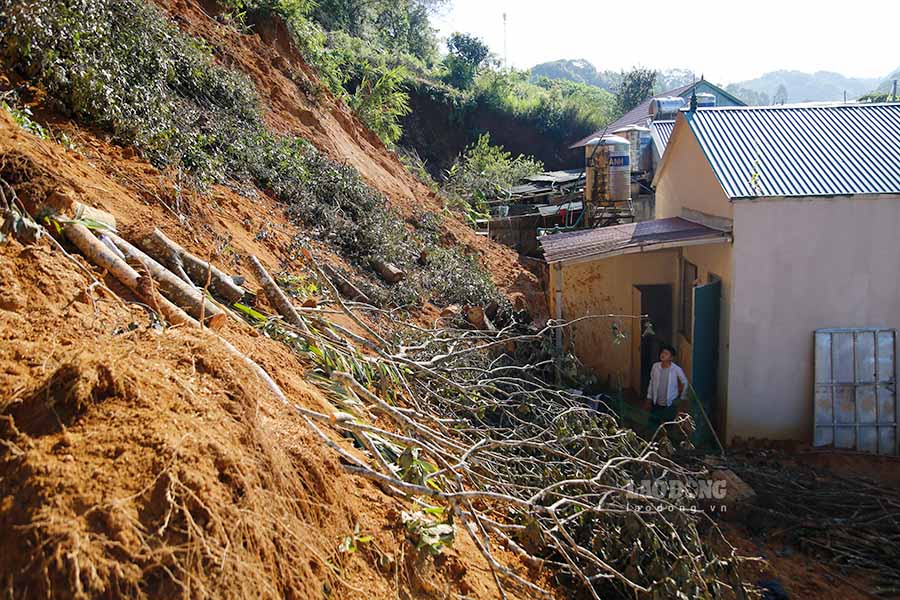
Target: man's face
point(665, 356)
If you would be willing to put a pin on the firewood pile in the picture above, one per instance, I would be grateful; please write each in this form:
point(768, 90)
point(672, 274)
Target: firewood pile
point(846, 521)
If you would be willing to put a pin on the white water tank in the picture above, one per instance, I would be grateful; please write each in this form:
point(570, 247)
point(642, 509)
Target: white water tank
point(706, 100)
point(666, 107)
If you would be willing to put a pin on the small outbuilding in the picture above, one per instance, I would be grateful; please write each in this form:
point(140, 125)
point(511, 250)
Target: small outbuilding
point(773, 266)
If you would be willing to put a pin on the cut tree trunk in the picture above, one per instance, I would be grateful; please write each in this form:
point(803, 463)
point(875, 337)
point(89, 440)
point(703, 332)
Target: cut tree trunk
point(347, 289)
point(279, 300)
point(189, 267)
point(388, 271)
point(104, 258)
point(182, 294)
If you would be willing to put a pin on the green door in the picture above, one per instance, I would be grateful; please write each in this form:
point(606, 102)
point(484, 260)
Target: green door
point(705, 355)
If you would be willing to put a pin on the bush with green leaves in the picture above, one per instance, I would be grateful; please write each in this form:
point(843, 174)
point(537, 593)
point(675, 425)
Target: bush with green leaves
point(485, 172)
point(563, 110)
point(122, 66)
point(380, 102)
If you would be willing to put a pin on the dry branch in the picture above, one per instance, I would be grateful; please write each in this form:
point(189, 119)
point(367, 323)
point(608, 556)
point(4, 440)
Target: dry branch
point(278, 299)
point(347, 289)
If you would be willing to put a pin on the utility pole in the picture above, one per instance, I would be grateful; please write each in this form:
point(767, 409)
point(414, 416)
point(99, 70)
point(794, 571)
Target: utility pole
point(894, 92)
point(505, 56)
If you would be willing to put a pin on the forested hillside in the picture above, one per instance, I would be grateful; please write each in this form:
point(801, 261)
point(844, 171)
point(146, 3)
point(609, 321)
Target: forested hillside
point(385, 60)
point(794, 86)
point(583, 71)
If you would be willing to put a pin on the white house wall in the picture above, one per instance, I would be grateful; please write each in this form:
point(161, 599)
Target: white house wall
point(800, 265)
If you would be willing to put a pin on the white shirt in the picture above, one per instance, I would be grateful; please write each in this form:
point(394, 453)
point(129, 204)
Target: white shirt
point(675, 375)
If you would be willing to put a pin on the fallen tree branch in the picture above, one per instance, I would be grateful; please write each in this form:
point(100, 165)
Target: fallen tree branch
point(278, 299)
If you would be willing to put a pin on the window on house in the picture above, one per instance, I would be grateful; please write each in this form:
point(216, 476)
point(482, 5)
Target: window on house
point(688, 278)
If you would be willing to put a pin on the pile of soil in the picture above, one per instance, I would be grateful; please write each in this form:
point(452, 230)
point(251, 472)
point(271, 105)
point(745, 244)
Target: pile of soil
point(147, 463)
point(142, 462)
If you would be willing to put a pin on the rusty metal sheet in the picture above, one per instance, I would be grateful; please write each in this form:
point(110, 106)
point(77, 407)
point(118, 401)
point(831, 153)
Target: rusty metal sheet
point(855, 390)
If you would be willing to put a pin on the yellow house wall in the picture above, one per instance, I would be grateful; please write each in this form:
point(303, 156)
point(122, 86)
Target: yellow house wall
point(687, 181)
point(606, 286)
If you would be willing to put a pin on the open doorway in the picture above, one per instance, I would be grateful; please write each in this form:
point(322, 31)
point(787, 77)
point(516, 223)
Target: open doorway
point(656, 304)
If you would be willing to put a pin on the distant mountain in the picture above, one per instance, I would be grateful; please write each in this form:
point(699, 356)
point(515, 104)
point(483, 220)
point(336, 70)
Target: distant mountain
point(582, 71)
point(888, 82)
point(772, 87)
point(579, 71)
point(796, 86)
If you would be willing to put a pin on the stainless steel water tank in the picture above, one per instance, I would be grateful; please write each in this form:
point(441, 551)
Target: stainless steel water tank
point(608, 169)
point(665, 107)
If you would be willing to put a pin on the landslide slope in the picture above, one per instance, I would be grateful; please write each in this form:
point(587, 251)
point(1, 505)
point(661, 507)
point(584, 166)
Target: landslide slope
point(148, 463)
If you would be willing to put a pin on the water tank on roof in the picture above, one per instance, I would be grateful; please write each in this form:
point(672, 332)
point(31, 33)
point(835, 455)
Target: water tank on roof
point(639, 138)
point(665, 108)
point(608, 170)
point(706, 100)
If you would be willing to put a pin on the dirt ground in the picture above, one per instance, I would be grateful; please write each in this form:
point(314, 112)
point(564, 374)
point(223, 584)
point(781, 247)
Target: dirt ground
point(145, 463)
point(799, 572)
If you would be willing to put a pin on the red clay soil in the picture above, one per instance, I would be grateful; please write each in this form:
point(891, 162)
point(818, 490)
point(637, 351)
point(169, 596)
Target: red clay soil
point(145, 463)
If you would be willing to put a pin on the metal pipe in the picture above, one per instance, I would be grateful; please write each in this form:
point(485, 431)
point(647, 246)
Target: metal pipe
point(558, 298)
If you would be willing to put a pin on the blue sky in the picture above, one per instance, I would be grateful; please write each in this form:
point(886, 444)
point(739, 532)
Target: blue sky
point(726, 41)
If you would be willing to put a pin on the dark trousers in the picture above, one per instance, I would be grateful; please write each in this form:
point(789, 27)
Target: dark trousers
point(662, 414)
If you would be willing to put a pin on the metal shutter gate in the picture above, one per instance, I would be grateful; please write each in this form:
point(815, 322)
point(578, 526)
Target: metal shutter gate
point(856, 390)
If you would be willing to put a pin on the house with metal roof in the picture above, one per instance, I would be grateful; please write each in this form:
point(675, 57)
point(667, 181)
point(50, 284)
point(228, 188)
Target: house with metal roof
point(772, 266)
point(642, 114)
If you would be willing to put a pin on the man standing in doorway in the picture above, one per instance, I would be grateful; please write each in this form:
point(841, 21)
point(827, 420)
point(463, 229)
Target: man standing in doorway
point(667, 386)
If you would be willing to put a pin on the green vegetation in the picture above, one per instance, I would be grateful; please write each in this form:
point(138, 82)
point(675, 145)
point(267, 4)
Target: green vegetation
point(122, 66)
point(561, 110)
point(484, 172)
point(380, 103)
point(637, 85)
point(466, 55)
point(360, 50)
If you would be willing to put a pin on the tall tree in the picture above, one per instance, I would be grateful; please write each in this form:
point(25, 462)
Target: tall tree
point(467, 53)
point(637, 85)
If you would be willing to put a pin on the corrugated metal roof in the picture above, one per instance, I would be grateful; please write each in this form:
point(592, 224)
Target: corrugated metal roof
point(801, 150)
point(587, 243)
point(558, 177)
point(640, 114)
point(661, 131)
